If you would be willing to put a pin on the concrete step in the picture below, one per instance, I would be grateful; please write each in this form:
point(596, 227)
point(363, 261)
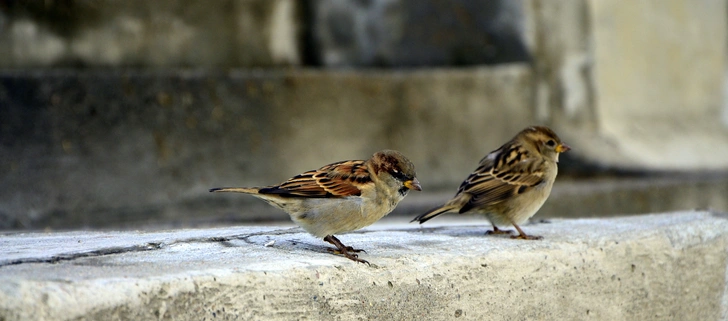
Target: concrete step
point(91, 147)
point(649, 267)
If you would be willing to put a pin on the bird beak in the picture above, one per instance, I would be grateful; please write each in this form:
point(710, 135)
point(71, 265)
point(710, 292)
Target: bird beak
point(413, 184)
point(562, 148)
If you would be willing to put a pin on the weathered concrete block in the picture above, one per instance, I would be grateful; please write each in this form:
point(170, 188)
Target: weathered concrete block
point(652, 267)
point(661, 86)
point(223, 34)
point(634, 87)
point(416, 33)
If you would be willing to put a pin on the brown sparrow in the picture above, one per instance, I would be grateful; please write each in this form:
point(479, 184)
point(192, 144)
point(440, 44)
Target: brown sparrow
point(511, 183)
point(341, 197)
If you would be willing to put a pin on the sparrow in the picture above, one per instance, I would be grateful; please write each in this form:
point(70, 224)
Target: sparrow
point(341, 197)
point(511, 183)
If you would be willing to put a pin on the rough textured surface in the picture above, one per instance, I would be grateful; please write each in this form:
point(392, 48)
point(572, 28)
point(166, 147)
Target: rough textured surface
point(651, 267)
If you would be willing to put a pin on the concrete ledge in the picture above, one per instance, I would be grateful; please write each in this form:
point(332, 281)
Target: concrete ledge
point(652, 267)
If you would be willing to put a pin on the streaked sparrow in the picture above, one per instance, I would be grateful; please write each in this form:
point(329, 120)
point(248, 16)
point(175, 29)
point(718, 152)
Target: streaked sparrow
point(511, 183)
point(341, 197)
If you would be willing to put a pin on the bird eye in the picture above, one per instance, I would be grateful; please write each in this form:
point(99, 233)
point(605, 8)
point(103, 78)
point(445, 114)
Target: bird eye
point(551, 143)
point(398, 175)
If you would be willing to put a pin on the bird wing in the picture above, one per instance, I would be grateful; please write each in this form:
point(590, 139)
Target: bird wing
point(339, 179)
point(501, 175)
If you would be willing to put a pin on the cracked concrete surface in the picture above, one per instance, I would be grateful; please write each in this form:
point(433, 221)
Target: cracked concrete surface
point(651, 267)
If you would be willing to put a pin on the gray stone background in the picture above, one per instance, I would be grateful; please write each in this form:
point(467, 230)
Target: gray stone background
point(124, 113)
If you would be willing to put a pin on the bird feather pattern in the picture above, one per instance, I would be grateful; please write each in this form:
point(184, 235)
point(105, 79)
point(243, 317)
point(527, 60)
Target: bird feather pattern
point(508, 173)
point(334, 180)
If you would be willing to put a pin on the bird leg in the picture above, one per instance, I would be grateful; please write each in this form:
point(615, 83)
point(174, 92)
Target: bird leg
point(496, 231)
point(523, 236)
point(344, 250)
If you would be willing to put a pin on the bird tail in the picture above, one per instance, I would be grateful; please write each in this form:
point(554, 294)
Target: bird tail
point(246, 190)
point(434, 212)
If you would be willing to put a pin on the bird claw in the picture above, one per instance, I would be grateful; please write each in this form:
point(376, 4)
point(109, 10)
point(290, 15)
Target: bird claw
point(351, 256)
point(337, 251)
point(345, 250)
point(351, 249)
point(355, 258)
